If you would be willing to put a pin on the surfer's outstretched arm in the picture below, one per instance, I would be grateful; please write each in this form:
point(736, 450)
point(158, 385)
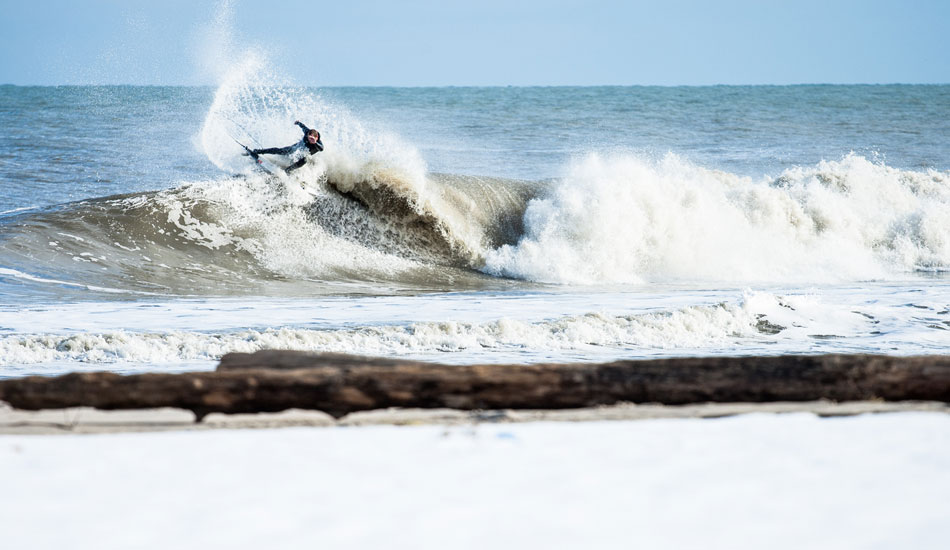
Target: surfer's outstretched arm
point(302, 126)
point(276, 150)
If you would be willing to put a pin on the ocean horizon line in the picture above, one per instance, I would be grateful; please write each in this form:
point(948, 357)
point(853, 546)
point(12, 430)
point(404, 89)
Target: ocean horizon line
point(495, 86)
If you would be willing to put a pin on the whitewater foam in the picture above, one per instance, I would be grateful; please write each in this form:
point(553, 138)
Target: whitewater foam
point(527, 329)
point(701, 326)
point(623, 219)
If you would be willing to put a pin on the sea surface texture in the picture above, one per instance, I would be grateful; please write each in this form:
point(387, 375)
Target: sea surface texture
point(471, 224)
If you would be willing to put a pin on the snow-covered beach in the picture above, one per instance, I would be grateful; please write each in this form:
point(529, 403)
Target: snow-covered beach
point(756, 480)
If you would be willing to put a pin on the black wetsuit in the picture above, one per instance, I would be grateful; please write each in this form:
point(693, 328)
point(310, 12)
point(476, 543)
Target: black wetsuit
point(294, 150)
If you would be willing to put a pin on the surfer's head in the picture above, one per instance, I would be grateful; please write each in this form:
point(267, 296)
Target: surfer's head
point(313, 136)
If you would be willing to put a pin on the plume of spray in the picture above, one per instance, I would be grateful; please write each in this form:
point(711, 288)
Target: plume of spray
point(215, 42)
point(256, 105)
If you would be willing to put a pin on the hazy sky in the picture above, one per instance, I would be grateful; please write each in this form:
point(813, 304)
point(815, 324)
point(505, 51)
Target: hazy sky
point(483, 42)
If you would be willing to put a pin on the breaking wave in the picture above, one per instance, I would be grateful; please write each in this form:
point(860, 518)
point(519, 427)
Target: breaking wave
point(259, 235)
point(609, 220)
point(623, 219)
point(366, 215)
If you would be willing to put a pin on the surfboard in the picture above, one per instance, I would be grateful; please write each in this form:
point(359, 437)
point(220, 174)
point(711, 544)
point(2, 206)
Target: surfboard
point(259, 163)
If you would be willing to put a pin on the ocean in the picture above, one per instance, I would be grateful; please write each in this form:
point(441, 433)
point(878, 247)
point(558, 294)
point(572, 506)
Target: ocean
point(501, 224)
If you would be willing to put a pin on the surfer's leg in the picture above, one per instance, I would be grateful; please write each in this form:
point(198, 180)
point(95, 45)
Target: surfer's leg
point(296, 165)
point(275, 150)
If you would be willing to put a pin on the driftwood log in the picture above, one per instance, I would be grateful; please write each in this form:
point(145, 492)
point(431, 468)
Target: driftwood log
point(270, 381)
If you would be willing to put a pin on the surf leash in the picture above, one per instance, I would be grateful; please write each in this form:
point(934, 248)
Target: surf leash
point(242, 128)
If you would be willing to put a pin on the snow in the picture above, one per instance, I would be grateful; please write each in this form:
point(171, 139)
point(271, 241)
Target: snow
point(751, 481)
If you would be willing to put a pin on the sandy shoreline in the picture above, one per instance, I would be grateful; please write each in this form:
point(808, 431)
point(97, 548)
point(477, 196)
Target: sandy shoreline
point(86, 420)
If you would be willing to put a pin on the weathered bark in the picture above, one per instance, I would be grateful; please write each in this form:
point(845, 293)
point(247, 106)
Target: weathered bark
point(272, 381)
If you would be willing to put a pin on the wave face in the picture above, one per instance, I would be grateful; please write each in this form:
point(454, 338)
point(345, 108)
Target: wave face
point(260, 235)
point(622, 219)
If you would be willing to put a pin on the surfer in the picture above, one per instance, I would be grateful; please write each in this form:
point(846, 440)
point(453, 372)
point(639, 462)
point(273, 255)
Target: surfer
point(298, 152)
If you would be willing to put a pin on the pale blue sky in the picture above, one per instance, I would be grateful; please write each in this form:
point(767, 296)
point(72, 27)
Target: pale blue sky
point(486, 42)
